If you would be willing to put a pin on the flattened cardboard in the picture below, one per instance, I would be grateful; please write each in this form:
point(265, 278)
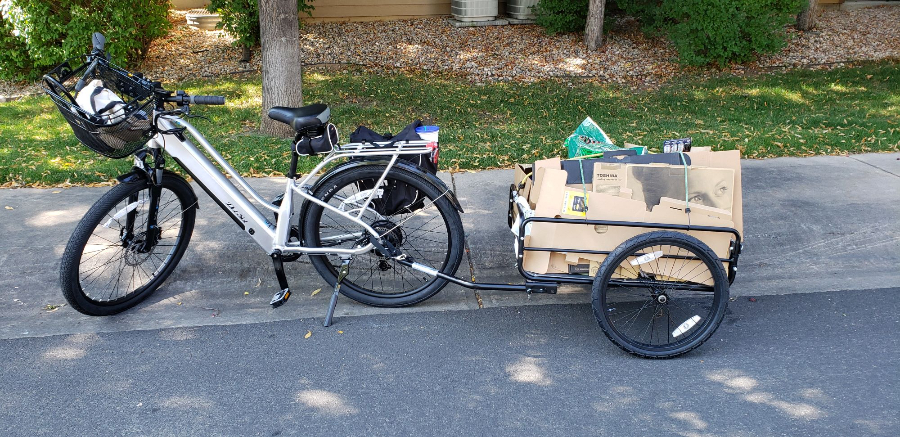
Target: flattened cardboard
point(608, 178)
point(607, 238)
point(604, 206)
point(548, 183)
point(539, 166)
point(727, 159)
point(558, 263)
point(696, 208)
point(712, 187)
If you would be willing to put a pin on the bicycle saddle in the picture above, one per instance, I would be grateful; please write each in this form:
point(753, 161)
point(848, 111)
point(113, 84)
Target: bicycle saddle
point(303, 117)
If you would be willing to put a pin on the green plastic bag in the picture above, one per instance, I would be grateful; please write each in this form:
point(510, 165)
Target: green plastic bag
point(588, 139)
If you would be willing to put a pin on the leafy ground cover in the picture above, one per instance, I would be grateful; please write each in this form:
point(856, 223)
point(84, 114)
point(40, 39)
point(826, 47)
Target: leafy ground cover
point(795, 113)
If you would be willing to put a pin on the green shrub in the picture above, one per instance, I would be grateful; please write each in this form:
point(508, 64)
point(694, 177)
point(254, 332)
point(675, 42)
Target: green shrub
point(36, 35)
point(561, 16)
point(240, 18)
point(719, 31)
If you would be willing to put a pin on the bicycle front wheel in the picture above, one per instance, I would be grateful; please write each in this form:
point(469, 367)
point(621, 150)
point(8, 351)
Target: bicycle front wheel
point(660, 294)
point(112, 261)
point(425, 226)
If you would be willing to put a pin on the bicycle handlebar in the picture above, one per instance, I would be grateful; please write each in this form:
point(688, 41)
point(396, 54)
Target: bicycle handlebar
point(180, 98)
point(196, 100)
point(99, 42)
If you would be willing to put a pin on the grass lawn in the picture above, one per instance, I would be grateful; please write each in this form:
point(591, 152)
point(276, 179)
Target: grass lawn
point(796, 113)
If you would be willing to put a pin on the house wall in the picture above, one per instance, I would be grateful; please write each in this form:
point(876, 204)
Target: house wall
point(360, 10)
point(373, 10)
point(184, 5)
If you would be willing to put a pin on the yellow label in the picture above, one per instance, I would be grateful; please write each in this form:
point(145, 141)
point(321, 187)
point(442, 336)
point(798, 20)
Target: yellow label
point(575, 203)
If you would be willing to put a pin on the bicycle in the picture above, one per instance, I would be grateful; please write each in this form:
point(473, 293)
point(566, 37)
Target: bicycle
point(131, 239)
point(659, 294)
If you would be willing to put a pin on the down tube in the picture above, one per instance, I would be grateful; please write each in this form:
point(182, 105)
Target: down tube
point(222, 191)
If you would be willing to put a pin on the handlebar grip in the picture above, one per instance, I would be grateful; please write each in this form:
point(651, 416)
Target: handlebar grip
point(99, 41)
point(207, 100)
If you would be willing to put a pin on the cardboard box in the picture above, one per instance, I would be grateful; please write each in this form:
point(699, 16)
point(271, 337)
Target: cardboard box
point(550, 197)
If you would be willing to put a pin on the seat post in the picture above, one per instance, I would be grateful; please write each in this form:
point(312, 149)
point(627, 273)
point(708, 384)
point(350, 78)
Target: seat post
point(292, 172)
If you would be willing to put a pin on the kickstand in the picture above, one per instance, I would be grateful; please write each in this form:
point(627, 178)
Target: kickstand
point(345, 269)
point(282, 296)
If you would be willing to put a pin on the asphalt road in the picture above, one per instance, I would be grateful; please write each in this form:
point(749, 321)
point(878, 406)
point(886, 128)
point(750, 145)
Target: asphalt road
point(813, 364)
point(815, 353)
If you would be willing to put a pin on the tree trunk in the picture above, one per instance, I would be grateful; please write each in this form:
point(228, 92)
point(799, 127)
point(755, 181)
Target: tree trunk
point(806, 20)
point(279, 31)
point(593, 30)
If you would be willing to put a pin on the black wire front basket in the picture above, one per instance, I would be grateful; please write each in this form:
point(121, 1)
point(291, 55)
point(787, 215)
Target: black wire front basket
point(115, 136)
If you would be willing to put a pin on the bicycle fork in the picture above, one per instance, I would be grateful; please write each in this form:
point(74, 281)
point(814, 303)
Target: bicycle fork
point(143, 240)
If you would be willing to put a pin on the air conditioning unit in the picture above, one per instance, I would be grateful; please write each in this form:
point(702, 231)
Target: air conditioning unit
point(520, 9)
point(474, 10)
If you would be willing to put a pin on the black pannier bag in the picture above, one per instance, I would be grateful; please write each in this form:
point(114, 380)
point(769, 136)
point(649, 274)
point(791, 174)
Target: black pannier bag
point(398, 197)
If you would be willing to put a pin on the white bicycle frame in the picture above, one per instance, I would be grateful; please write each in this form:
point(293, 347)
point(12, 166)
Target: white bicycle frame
point(271, 237)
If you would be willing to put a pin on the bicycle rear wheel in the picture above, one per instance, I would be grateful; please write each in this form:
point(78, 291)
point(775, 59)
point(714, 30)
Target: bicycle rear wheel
point(111, 262)
point(432, 235)
point(660, 294)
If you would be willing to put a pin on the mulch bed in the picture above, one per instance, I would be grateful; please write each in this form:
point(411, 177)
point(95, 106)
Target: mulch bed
point(510, 53)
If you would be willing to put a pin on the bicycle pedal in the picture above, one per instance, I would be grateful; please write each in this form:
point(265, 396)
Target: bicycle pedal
point(280, 298)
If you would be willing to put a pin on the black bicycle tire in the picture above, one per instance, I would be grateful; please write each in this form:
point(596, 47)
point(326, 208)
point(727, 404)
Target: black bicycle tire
point(70, 280)
point(628, 248)
point(312, 215)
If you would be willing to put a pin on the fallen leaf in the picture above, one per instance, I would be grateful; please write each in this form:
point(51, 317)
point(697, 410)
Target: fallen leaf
point(9, 207)
point(56, 192)
point(308, 334)
point(340, 332)
point(315, 292)
point(246, 293)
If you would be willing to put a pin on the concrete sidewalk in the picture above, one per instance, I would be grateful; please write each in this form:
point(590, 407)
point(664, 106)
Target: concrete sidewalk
point(811, 225)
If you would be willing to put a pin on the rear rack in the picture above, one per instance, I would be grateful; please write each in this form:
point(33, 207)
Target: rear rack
point(411, 147)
